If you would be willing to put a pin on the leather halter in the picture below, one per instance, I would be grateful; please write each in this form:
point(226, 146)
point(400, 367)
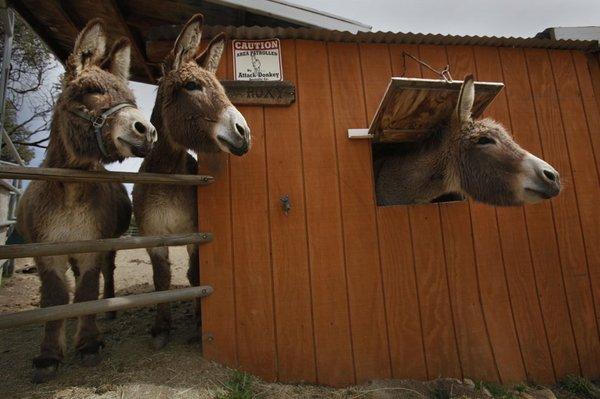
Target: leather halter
point(98, 122)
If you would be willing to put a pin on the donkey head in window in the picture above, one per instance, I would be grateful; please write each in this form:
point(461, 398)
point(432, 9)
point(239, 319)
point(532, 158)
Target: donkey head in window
point(466, 157)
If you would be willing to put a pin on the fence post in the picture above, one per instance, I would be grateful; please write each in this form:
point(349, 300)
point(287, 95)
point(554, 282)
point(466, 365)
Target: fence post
point(8, 19)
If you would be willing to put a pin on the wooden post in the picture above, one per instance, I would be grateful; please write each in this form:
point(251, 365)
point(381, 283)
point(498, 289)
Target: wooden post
point(82, 176)
point(102, 245)
point(60, 312)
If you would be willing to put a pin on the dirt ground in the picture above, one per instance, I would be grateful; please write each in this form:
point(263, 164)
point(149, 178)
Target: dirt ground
point(132, 369)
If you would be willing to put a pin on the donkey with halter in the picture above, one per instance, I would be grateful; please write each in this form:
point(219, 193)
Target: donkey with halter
point(475, 158)
point(192, 112)
point(95, 121)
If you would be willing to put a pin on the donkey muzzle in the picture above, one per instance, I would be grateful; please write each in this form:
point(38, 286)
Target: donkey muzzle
point(138, 134)
point(542, 181)
point(233, 134)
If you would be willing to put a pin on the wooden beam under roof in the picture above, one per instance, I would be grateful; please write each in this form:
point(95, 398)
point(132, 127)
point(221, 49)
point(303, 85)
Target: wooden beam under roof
point(114, 8)
point(67, 14)
point(39, 28)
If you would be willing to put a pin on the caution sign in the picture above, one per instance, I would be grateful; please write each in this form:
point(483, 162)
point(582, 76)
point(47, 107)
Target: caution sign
point(257, 59)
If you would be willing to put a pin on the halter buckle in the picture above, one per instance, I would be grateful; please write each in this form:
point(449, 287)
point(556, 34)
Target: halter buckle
point(98, 121)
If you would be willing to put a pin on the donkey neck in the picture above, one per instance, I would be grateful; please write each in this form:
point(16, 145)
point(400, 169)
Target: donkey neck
point(417, 173)
point(58, 157)
point(165, 157)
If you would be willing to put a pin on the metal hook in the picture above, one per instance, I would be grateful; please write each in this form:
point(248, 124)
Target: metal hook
point(286, 206)
point(444, 74)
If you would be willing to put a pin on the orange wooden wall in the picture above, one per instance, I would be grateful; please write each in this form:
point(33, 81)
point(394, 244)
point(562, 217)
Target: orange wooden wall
point(341, 291)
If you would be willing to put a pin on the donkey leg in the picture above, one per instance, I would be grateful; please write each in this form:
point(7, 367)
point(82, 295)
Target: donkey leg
point(54, 291)
point(108, 273)
point(161, 268)
point(88, 341)
point(193, 275)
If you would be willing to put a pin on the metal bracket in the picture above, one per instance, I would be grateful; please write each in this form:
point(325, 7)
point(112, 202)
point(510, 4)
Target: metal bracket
point(359, 134)
point(286, 206)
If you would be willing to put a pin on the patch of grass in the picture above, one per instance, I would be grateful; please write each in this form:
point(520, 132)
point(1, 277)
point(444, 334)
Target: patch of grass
point(239, 386)
point(479, 385)
point(522, 387)
point(580, 386)
point(498, 391)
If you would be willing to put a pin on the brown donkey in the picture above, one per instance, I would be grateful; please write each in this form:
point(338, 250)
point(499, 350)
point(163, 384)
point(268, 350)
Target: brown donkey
point(476, 158)
point(95, 121)
point(192, 112)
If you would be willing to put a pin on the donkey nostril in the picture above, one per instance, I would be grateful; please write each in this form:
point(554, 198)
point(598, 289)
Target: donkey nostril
point(550, 175)
point(240, 129)
point(139, 127)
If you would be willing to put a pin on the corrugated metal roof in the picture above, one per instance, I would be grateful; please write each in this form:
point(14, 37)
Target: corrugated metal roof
point(261, 32)
point(299, 14)
point(571, 32)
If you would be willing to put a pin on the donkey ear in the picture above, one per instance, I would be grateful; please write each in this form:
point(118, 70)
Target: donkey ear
point(465, 99)
point(89, 48)
point(119, 59)
point(210, 58)
point(186, 45)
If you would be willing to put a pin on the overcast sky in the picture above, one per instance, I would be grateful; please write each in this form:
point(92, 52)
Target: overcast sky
point(464, 17)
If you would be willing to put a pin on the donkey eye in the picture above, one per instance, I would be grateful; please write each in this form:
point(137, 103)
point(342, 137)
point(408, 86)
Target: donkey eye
point(94, 90)
point(485, 140)
point(191, 86)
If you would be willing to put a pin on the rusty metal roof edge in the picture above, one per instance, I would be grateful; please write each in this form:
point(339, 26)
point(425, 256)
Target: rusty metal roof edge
point(261, 32)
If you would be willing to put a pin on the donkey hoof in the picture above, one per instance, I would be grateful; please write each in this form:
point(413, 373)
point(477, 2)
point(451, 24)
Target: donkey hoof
point(91, 359)
point(111, 315)
point(45, 374)
point(90, 353)
point(45, 369)
point(160, 340)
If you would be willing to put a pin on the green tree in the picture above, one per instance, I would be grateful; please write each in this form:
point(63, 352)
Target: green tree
point(31, 91)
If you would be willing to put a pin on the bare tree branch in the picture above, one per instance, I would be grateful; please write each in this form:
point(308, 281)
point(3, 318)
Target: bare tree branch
point(31, 93)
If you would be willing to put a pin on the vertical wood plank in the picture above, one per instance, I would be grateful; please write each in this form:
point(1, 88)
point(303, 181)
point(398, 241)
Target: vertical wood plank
point(588, 75)
point(216, 262)
point(292, 290)
point(590, 97)
point(591, 100)
point(474, 344)
point(376, 74)
point(587, 192)
point(333, 344)
point(255, 322)
point(566, 222)
point(488, 249)
point(438, 325)
point(518, 228)
point(397, 262)
point(594, 66)
point(251, 251)
point(368, 319)
point(541, 220)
